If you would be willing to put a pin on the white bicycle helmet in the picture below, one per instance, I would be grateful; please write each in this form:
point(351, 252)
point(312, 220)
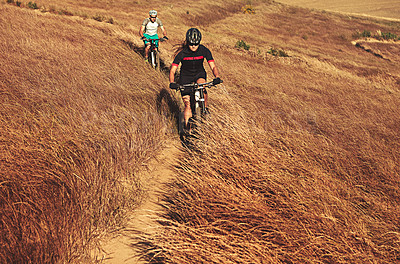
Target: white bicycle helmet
point(153, 13)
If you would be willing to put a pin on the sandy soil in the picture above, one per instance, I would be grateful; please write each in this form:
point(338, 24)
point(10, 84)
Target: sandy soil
point(119, 249)
point(383, 8)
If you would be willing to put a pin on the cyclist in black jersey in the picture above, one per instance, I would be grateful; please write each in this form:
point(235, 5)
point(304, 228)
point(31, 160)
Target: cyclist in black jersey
point(192, 56)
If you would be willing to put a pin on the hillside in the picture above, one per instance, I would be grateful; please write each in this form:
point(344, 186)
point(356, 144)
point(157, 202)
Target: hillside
point(383, 9)
point(298, 164)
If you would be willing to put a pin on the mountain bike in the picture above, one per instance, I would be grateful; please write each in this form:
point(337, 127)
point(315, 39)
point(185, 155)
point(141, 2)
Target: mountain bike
point(154, 58)
point(197, 105)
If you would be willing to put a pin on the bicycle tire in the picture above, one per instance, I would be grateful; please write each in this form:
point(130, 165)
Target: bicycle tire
point(156, 53)
point(198, 110)
point(181, 123)
point(152, 59)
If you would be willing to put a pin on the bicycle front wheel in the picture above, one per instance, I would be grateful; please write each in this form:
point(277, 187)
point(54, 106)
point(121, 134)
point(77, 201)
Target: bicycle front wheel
point(198, 110)
point(157, 54)
point(153, 59)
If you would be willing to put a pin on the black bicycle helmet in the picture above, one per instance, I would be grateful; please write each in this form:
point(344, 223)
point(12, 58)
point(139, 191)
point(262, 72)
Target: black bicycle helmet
point(193, 36)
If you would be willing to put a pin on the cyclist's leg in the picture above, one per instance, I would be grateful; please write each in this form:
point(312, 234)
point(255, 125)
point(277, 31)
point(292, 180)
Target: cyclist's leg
point(156, 37)
point(147, 47)
point(201, 80)
point(187, 113)
point(201, 77)
point(146, 52)
point(186, 97)
point(153, 37)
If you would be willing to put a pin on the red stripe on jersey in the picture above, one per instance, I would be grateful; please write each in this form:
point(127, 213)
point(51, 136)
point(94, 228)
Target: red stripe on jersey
point(194, 58)
point(210, 60)
point(174, 64)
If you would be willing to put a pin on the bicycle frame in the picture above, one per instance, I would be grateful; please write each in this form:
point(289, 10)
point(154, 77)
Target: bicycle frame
point(197, 101)
point(154, 58)
point(197, 105)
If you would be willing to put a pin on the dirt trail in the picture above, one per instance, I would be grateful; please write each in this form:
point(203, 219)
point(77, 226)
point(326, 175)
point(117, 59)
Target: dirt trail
point(119, 249)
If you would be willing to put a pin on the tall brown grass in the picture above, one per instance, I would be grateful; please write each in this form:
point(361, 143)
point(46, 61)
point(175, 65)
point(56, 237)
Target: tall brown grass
point(298, 162)
point(246, 195)
point(78, 121)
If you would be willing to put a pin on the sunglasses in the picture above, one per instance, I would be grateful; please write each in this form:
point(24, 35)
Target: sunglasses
point(153, 17)
point(193, 45)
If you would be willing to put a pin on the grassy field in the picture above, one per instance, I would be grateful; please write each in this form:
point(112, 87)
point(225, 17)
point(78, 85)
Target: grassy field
point(299, 162)
point(387, 8)
point(77, 124)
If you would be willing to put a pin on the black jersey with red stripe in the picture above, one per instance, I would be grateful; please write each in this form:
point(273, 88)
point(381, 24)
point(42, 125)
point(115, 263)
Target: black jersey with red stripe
point(192, 62)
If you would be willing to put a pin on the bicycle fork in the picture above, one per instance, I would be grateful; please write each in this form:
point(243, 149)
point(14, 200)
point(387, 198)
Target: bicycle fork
point(197, 108)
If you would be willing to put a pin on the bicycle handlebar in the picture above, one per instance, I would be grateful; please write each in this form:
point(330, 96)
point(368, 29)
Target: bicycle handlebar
point(198, 85)
point(154, 40)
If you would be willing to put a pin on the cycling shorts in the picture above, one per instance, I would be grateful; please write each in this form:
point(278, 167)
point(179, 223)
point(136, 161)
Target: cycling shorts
point(150, 37)
point(191, 79)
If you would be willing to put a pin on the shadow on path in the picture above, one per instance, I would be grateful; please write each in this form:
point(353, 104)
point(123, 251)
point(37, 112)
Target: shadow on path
point(140, 50)
point(168, 106)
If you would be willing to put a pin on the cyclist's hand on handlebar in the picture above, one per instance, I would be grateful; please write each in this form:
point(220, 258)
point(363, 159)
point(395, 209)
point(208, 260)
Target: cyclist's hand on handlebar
point(174, 86)
point(144, 38)
point(217, 81)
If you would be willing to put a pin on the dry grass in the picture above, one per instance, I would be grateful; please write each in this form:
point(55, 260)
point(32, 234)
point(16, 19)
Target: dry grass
point(297, 164)
point(299, 161)
point(77, 124)
point(388, 9)
point(246, 196)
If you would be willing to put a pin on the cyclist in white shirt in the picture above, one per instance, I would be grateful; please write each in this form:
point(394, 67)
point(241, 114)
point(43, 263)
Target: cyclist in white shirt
point(149, 29)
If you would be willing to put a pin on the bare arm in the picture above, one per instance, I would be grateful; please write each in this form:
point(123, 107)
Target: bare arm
point(172, 73)
point(164, 31)
point(141, 31)
point(214, 68)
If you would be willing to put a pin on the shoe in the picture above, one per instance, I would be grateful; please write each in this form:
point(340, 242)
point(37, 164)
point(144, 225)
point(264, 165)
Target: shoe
point(146, 59)
point(207, 112)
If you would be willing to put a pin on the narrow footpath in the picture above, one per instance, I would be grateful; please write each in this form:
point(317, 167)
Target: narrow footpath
point(119, 249)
